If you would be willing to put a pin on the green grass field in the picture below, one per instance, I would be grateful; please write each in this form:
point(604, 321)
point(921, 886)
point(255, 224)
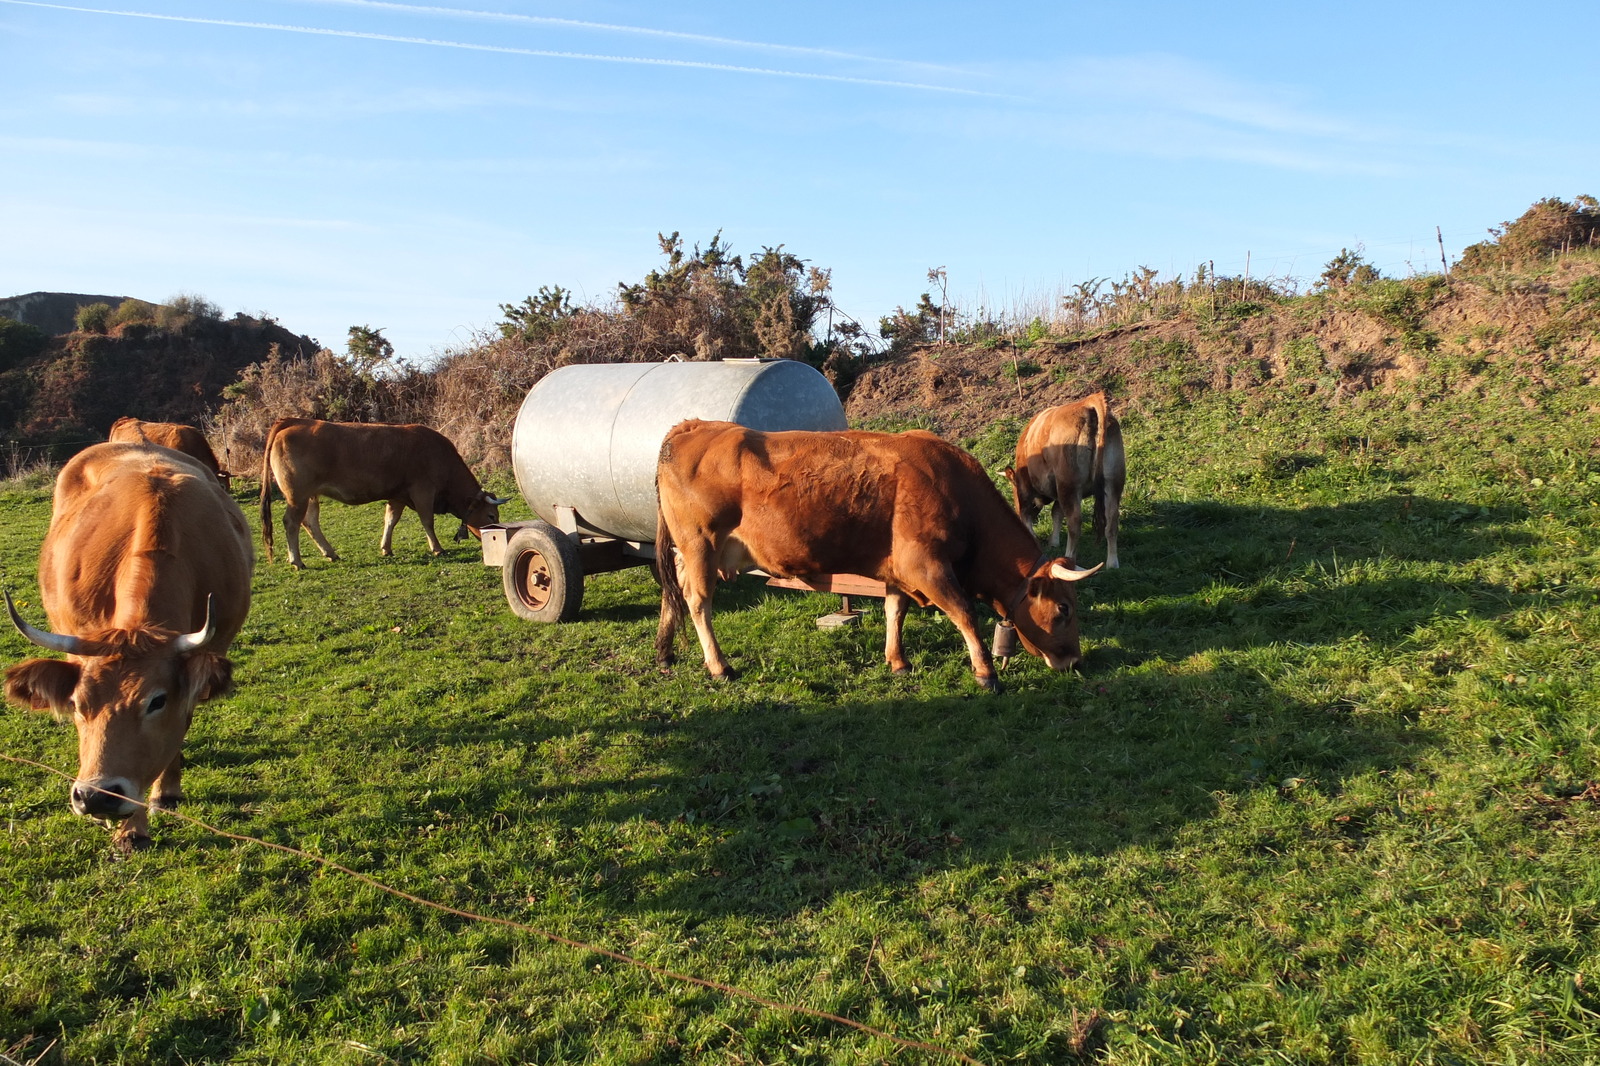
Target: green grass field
point(1325, 791)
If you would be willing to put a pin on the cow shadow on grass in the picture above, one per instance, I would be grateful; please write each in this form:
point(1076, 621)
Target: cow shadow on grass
point(797, 802)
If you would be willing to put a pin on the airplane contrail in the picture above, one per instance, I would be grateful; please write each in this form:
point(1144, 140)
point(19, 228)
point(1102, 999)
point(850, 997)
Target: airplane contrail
point(645, 31)
point(689, 64)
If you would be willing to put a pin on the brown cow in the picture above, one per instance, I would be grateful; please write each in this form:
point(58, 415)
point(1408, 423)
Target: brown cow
point(145, 578)
point(908, 509)
point(360, 462)
point(175, 435)
point(1065, 454)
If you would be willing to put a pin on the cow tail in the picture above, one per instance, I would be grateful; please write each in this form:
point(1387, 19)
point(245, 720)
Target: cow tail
point(266, 491)
point(673, 607)
point(1102, 413)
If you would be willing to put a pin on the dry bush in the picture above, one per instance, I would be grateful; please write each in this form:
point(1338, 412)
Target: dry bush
point(702, 304)
point(323, 386)
point(477, 389)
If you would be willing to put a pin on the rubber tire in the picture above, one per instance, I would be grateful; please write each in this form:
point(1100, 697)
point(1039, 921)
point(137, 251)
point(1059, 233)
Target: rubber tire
point(542, 574)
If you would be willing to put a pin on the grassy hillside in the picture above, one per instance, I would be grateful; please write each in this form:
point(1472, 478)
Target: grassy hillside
point(1327, 790)
point(1512, 334)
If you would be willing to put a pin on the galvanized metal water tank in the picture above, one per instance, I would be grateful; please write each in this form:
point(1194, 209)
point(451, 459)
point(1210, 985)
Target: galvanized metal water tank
point(588, 436)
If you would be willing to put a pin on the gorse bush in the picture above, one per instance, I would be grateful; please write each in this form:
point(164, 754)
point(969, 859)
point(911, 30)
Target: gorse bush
point(93, 318)
point(19, 342)
point(1550, 227)
point(365, 385)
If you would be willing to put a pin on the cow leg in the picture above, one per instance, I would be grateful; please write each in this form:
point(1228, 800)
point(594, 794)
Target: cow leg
point(425, 516)
point(167, 792)
point(314, 527)
point(895, 603)
point(1074, 522)
point(293, 516)
point(948, 597)
point(697, 575)
point(1110, 506)
point(391, 518)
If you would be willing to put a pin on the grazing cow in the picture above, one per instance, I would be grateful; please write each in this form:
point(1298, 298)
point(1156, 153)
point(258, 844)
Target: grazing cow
point(175, 435)
point(908, 509)
point(145, 578)
point(360, 462)
point(1065, 454)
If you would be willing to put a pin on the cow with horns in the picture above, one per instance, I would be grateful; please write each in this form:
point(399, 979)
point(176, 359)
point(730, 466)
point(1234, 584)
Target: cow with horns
point(908, 509)
point(144, 576)
point(361, 462)
point(1063, 455)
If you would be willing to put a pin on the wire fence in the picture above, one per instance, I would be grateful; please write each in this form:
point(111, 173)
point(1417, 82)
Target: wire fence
point(18, 458)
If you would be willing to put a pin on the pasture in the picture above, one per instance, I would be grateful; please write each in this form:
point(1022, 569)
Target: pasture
point(1326, 790)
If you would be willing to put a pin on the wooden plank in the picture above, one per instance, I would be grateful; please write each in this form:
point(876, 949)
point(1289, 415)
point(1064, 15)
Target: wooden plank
point(840, 584)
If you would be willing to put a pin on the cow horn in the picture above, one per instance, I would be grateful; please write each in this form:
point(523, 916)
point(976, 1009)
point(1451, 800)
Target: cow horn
point(1073, 573)
point(54, 641)
point(498, 501)
point(188, 642)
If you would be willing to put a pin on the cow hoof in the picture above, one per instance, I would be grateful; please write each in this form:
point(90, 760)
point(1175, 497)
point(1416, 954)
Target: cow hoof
point(166, 803)
point(989, 684)
point(899, 671)
point(296, 564)
point(385, 552)
point(730, 674)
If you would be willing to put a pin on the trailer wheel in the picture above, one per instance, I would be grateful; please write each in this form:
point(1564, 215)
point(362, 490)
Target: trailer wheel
point(543, 574)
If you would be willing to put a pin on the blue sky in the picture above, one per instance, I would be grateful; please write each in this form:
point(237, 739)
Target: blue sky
point(410, 167)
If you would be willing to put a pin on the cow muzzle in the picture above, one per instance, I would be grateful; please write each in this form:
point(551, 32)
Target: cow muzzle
point(108, 799)
point(1062, 662)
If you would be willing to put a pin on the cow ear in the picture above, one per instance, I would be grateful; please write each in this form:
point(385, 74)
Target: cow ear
point(42, 685)
point(208, 675)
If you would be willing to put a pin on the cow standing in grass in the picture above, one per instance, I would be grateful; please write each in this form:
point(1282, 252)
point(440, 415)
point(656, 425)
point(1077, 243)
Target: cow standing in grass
point(145, 578)
point(359, 462)
point(1063, 455)
point(908, 509)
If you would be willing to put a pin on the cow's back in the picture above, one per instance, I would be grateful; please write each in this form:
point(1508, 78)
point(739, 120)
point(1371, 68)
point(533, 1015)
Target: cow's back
point(359, 462)
point(811, 502)
point(175, 435)
point(142, 535)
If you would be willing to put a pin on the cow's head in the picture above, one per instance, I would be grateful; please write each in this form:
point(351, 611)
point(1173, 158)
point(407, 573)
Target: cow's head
point(1046, 612)
point(483, 510)
point(131, 696)
point(1029, 502)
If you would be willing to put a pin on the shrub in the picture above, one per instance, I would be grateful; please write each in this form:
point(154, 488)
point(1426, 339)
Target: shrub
point(20, 342)
point(1015, 369)
point(183, 310)
point(1586, 290)
point(134, 312)
point(1549, 227)
point(1303, 359)
point(1347, 268)
point(93, 318)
